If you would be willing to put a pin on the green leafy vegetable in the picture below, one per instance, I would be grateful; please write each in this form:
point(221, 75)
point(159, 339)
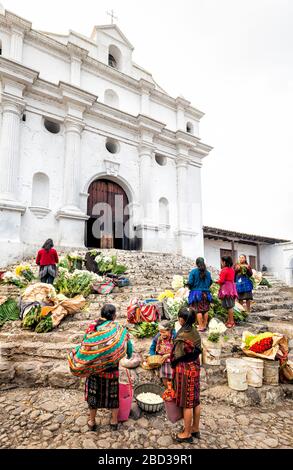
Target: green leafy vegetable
point(145, 330)
point(9, 311)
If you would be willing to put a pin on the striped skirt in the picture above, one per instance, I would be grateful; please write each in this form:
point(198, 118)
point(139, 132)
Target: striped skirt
point(102, 391)
point(187, 384)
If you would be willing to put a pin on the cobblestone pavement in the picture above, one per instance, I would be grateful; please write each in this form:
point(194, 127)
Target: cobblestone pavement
point(57, 418)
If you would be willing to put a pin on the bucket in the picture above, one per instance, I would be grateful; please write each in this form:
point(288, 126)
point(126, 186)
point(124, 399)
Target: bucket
point(271, 372)
point(254, 371)
point(237, 372)
point(211, 354)
point(174, 413)
point(125, 401)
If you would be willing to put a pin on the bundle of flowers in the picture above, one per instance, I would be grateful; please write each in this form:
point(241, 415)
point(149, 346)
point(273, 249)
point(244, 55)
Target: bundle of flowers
point(76, 283)
point(75, 261)
point(108, 264)
point(167, 294)
point(25, 271)
point(182, 293)
point(11, 278)
point(259, 343)
point(178, 282)
point(173, 305)
point(216, 329)
point(63, 263)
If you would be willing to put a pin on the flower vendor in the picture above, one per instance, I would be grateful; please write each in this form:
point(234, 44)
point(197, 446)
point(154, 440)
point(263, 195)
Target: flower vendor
point(102, 388)
point(200, 297)
point(228, 292)
point(162, 345)
point(47, 259)
point(185, 362)
point(244, 286)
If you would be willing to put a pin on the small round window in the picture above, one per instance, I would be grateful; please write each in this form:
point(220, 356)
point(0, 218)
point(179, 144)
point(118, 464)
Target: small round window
point(112, 146)
point(161, 160)
point(51, 126)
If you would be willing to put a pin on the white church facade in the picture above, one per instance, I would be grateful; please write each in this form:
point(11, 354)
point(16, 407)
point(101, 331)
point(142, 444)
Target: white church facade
point(81, 124)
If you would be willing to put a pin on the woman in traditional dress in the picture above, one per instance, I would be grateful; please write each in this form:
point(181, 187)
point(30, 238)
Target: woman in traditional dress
point(102, 390)
point(244, 286)
point(47, 259)
point(228, 292)
point(200, 297)
point(186, 382)
point(162, 345)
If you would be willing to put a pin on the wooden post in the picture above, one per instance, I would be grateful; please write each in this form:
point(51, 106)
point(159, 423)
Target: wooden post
point(258, 257)
point(233, 251)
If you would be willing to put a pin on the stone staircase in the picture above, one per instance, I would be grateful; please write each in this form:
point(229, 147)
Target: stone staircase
point(32, 360)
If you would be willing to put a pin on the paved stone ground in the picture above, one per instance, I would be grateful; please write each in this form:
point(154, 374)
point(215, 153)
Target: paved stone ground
point(57, 418)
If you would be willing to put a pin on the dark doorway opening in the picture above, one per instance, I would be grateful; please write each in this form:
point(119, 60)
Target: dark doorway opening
point(107, 192)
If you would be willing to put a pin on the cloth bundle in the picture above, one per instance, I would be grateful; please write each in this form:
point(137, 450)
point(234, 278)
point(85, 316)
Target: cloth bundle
point(100, 349)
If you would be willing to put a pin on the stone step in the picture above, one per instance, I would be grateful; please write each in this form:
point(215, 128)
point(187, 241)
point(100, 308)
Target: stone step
point(281, 327)
point(263, 396)
point(258, 307)
point(267, 315)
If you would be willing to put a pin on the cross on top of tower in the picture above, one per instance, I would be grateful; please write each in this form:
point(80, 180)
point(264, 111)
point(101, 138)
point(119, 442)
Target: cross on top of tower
point(111, 13)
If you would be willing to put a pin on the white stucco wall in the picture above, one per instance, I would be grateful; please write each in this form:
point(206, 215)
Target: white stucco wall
point(279, 261)
point(212, 251)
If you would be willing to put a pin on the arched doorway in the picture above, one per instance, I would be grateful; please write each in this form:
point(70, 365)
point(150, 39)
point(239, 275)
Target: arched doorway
point(106, 208)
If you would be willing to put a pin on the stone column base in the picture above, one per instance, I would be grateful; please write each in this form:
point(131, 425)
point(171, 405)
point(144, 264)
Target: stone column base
point(149, 234)
point(10, 220)
point(189, 244)
point(71, 228)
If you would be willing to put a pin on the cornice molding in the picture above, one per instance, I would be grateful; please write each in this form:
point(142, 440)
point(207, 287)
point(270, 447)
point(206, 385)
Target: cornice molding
point(17, 72)
point(13, 20)
point(76, 95)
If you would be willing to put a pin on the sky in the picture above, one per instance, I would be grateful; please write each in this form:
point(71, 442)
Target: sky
point(233, 60)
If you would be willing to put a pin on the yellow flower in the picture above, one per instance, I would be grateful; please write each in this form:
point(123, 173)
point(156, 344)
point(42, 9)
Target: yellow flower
point(20, 268)
point(167, 294)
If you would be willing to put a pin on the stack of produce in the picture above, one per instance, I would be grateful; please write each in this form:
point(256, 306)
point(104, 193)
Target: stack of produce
point(20, 277)
point(76, 283)
point(9, 310)
point(43, 310)
point(145, 330)
point(108, 264)
point(259, 343)
point(218, 311)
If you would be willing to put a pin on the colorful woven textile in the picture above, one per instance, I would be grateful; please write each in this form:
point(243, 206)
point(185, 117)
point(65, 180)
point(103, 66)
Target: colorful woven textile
point(100, 350)
point(243, 284)
point(187, 384)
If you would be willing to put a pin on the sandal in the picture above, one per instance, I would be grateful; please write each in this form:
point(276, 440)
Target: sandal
point(92, 427)
point(196, 435)
point(230, 325)
point(181, 440)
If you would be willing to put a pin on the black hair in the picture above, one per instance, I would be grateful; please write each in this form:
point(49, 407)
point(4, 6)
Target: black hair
point(187, 315)
point(202, 268)
point(108, 312)
point(48, 244)
point(245, 258)
point(228, 261)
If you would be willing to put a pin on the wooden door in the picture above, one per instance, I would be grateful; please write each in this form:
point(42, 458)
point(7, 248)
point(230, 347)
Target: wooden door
point(252, 261)
point(105, 191)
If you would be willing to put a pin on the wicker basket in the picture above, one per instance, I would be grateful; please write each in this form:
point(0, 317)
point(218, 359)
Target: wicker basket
point(155, 361)
point(152, 388)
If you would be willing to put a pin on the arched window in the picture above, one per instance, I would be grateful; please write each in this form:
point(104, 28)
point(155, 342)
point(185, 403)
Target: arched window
point(114, 57)
point(164, 211)
point(111, 99)
point(40, 193)
point(189, 128)
point(161, 160)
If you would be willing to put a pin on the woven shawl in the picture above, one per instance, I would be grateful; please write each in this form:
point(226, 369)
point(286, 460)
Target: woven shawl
point(100, 350)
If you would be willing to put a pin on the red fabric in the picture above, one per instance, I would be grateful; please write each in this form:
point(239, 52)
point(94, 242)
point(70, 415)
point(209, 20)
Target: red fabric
point(227, 274)
point(45, 258)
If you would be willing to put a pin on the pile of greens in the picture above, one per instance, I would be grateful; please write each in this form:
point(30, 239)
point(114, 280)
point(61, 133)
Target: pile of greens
point(265, 282)
point(108, 264)
point(32, 318)
point(217, 311)
point(45, 325)
point(145, 330)
point(9, 311)
point(76, 283)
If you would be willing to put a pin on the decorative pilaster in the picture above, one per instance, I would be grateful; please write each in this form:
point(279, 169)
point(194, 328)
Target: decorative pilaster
point(146, 163)
point(182, 187)
point(146, 89)
point(182, 104)
point(77, 54)
point(9, 149)
point(16, 44)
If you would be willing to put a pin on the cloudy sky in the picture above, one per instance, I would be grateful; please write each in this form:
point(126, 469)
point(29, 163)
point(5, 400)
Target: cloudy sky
point(233, 59)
